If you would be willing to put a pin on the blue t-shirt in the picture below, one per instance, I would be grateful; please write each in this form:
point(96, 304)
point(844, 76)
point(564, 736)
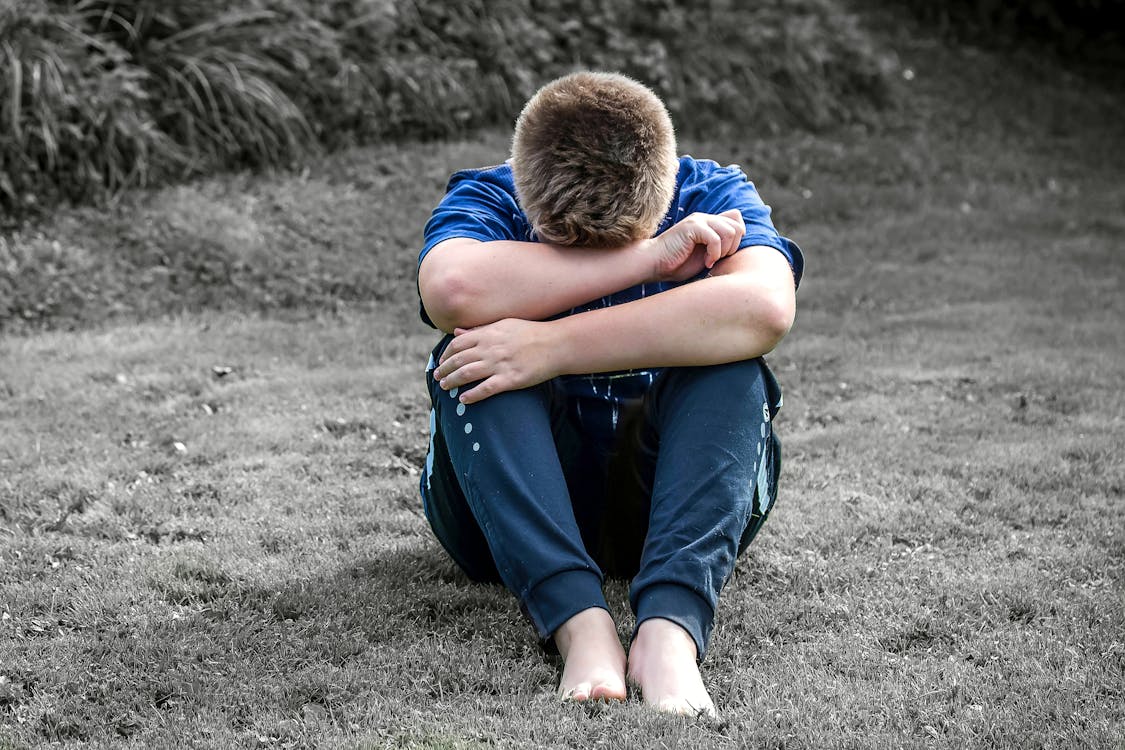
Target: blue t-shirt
point(481, 204)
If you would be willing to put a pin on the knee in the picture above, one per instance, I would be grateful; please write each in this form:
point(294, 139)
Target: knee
point(747, 376)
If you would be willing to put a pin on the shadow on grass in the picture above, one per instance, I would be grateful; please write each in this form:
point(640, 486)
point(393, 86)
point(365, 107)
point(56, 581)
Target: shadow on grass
point(395, 594)
point(319, 654)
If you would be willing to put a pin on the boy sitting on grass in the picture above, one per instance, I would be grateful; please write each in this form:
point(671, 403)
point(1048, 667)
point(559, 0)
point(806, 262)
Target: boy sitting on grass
point(600, 405)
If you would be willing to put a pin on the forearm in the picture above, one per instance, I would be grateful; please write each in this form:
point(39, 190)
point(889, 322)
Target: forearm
point(721, 318)
point(465, 283)
point(740, 311)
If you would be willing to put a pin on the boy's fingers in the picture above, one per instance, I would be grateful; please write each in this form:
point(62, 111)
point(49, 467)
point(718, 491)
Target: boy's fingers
point(455, 362)
point(714, 246)
point(465, 374)
point(479, 392)
point(738, 223)
point(458, 344)
point(450, 349)
point(729, 234)
point(720, 234)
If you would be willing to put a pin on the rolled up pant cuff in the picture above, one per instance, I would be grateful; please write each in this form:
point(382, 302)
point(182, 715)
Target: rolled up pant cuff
point(682, 606)
point(556, 599)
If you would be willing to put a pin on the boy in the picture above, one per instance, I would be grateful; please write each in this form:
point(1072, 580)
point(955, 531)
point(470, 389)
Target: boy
point(599, 403)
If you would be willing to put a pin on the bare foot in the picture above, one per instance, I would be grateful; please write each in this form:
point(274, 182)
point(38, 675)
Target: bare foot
point(662, 664)
point(595, 661)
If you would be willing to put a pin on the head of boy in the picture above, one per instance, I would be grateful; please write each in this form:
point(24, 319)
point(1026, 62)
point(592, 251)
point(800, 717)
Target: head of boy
point(594, 161)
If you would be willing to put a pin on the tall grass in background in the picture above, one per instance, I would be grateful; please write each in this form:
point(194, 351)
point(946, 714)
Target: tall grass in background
point(223, 78)
point(758, 65)
point(74, 114)
point(99, 95)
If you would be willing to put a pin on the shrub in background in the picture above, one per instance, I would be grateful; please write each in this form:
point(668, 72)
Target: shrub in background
point(226, 83)
point(439, 67)
point(724, 64)
point(98, 95)
point(1087, 28)
point(74, 115)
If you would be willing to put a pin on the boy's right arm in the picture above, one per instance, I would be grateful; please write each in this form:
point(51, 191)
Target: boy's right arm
point(466, 283)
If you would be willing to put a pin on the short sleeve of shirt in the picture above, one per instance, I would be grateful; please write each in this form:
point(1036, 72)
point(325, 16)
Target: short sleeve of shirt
point(479, 205)
point(709, 188)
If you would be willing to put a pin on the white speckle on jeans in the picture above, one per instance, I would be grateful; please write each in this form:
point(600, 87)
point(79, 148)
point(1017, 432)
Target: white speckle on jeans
point(763, 429)
point(468, 427)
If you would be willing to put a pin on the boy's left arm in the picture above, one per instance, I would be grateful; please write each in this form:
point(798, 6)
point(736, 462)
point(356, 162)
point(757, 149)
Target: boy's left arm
point(741, 310)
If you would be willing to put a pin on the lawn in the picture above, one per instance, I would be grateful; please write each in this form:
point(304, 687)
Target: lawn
point(210, 532)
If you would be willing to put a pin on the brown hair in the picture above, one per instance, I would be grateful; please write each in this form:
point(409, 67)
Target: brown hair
point(594, 160)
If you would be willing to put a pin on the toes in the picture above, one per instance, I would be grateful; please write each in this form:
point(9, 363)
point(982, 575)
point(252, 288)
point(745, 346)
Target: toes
point(607, 693)
point(580, 692)
point(586, 691)
point(673, 706)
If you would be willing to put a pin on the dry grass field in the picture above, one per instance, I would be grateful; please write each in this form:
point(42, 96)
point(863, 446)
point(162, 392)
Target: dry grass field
point(210, 533)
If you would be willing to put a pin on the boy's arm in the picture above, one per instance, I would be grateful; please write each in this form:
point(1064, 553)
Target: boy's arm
point(465, 282)
point(740, 311)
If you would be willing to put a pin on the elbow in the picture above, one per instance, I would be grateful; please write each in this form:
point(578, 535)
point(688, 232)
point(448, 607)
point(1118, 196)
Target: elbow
point(775, 318)
point(446, 296)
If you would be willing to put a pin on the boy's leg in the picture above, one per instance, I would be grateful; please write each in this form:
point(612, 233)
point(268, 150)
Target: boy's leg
point(508, 481)
point(712, 484)
point(496, 497)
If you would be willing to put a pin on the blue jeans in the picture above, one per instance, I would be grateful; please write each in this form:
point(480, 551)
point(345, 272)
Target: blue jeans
point(519, 489)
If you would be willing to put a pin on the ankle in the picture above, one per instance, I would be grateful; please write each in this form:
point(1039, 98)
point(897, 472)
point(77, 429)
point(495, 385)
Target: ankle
point(664, 667)
point(589, 624)
point(665, 636)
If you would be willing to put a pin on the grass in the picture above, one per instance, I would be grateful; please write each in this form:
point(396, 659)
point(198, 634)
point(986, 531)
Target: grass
point(266, 245)
point(208, 557)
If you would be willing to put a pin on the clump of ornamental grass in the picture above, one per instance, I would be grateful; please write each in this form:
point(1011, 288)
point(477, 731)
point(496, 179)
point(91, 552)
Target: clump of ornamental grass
point(101, 95)
point(225, 79)
point(76, 116)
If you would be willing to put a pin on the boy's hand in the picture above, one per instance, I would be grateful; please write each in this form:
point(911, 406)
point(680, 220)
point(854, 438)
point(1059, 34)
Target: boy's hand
point(695, 243)
point(507, 355)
